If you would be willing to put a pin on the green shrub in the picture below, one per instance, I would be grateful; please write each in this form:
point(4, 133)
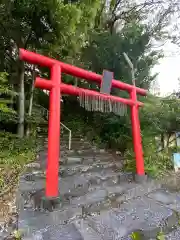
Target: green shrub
point(15, 153)
point(156, 163)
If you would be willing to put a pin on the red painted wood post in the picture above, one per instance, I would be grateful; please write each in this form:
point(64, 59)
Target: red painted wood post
point(54, 133)
point(137, 142)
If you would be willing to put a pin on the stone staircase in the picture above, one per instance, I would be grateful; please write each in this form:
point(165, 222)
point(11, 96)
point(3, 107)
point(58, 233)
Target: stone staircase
point(96, 200)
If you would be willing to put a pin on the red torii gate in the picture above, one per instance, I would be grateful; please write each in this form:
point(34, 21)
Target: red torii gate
point(56, 87)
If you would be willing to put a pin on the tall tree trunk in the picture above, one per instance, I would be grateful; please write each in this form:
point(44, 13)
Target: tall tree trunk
point(21, 101)
point(168, 140)
point(31, 99)
point(76, 82)
point(162, 140)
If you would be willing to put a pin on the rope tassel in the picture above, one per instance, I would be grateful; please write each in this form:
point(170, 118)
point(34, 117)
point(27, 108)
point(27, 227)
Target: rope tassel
point(99, 104)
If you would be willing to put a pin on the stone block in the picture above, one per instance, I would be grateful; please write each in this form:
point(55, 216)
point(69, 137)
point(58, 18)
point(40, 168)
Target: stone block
point(102, 150)
point(71, 160)
point(86, 232)
point(134, 190)
point(68, 232)
point(163, 196)
point(73, 186)
point(34, 165)
point(175, 206)
point(34, 176)
point(142, 215)
point(33, 193)
point(173, 235)
point(40, 223)
point(116, 190)
point(103, 175)
point(27, 186)
point(90, 198)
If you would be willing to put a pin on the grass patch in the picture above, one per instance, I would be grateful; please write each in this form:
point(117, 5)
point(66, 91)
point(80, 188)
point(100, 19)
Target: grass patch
point(15, 153)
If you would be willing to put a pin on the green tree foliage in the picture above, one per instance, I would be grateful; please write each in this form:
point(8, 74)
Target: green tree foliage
point(48, 26)
point(105, 51)
point(38, 24)
point(162, 115)
point(6, 99)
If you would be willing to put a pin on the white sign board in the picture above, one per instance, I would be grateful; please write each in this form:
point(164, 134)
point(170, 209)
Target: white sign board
point(178, 139)
point(176, 161)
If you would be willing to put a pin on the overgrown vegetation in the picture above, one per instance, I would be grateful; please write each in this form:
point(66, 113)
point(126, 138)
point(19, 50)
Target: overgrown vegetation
point(93, 35)
point(15, 153)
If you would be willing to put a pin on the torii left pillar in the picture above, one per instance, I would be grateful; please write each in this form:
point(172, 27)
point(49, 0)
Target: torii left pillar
point(54, 123)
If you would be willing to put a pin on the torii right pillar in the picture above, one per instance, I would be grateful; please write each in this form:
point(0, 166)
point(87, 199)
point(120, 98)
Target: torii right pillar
point(140, 175)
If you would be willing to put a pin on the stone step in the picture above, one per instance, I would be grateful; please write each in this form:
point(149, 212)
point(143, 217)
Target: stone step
point(87, 233)
point(69, 186)
point(89, 151)
point(72, 158)
point(32, 185)
point(80, 189)
point(107, 175)
point(75, 152)
point(143, 216)
point(94, 174)
point(94, 202)
point(98, 156)
point(78, 146)
point(77, 230)
point(65, 137)
point(85, 153)
point(61, 232)
point(68, 170)
point(98, 170)
point(173, 235)
point(168, 199)
point(64, 147)
point(76, 141)
point(106, 197)
point(30, 227)
point(88, 159)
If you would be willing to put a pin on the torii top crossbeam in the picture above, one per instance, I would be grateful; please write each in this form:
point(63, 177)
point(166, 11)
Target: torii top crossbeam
point(56, 87)
point(43, 61)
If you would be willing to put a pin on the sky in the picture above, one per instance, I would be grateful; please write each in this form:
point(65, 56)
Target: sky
point(168, 69)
